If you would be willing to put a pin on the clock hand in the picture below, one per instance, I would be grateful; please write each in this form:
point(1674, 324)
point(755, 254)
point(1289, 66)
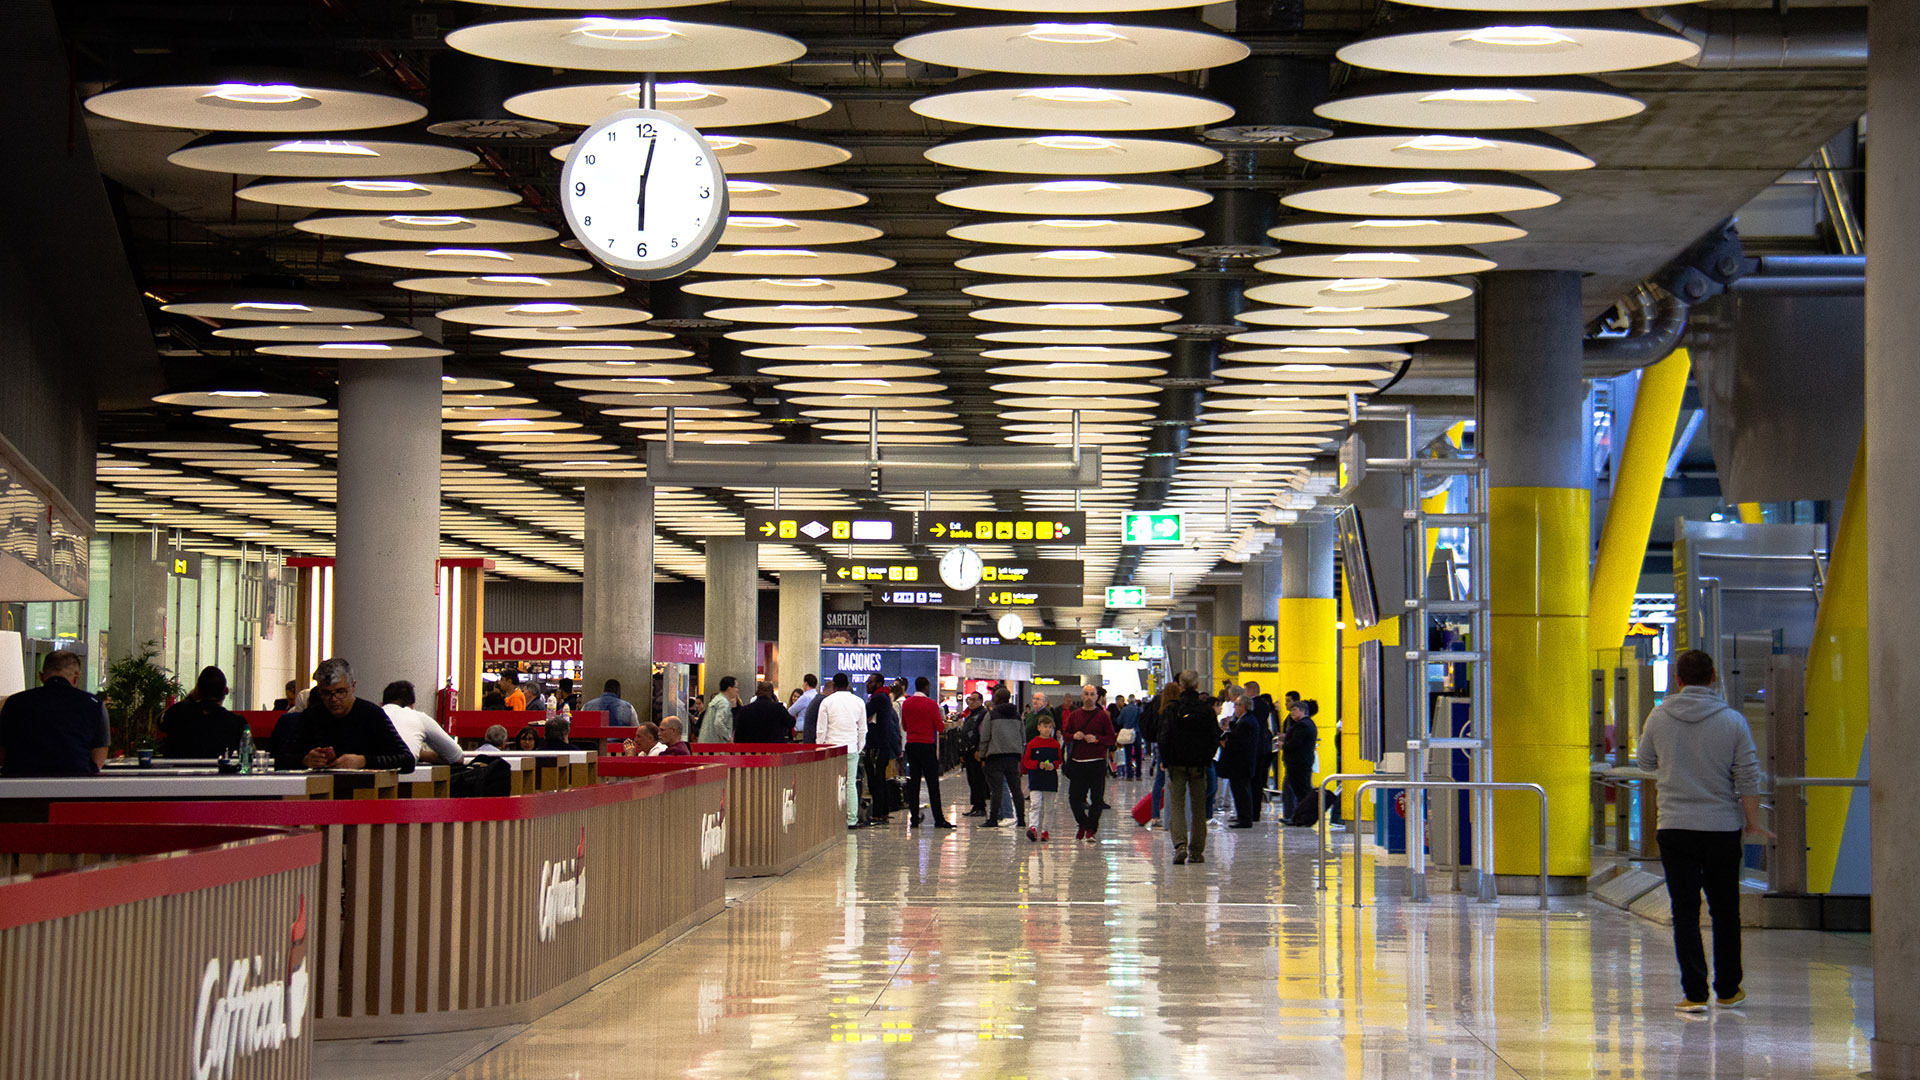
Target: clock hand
point(645, 172)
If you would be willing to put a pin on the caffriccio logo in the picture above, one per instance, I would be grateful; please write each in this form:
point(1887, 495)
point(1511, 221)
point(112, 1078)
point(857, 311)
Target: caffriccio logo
point(249, 1010)
point(713, 834)
point(788, 813)
point(563, 890)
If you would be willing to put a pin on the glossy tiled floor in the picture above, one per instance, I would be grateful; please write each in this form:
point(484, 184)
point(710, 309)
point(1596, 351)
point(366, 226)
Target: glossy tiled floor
point(979, 954)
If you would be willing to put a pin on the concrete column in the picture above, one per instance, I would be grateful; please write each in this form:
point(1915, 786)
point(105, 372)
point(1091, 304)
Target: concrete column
point(386, 615)
point(1199, 629)
point(1260, 586)
point(733, 610)
point(800, 627)
point(136, 601)
point(617, 614)
point(1533, 433)
point(1893, 518)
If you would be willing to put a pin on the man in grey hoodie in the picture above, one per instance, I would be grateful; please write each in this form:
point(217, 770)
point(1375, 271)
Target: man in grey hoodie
point(1709, 779)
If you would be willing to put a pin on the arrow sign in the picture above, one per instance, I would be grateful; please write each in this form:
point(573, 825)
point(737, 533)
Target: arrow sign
point(849, 527)
point(966, 526)
point(768, 529)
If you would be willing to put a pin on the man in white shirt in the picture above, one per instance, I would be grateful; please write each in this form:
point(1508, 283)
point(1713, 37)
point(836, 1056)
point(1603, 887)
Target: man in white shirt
point(418, 730)
point(843, 722)
point(646, 741)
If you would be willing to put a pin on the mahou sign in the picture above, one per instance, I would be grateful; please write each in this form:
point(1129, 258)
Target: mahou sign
point(531, 646)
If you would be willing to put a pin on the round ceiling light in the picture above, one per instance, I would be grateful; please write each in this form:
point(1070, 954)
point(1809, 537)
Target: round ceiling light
point(760, 230)
point(426, 228)
point(600, 354)
point(562, 335)
point(1087, 438)
point(862, 416)
point(661, 401)
point(1351, 337)
point(1338, 315)
point(870, 401)
point(1025, 402)
point(1089, 371)
point(316, 157)
point(1264, 390)
point(821, 356)
point(1466, 45)
point(1311, 355)
point(1073, 262)
point(1048, 197)
point(617, 368)
point(354, 350)
point(1087, 416)
point(1084, 336)
point(849, 370)
point(518, 286)
point(870, 387)
point(1073, 46)
point(228, 399)
point(269, 305)
point(1479, 104)
point(748, 196)
point(256, 100)
point(1515, 152)
point(1378, 262)
point(1074, 388)
point(807, 290)
point(463, 259)
point(792, 262)
point(742, 152)
point(317, 332)
point(1140, 103)
point(388, 194)
point(739, 101)
point(1396, 231)
point(1076, 231)
point(1071, 291)
point(825, 336)
point(712, 438)
point(638, 386)
point(1075, 355)
point(1075, 314)
point(895, 427)
point(1301, 373)
point(1377, 192)
point(538, 313)
point(790, 314)
point(607, 43)
point(1072, 154)
point(471, 384)
point(1359, 292)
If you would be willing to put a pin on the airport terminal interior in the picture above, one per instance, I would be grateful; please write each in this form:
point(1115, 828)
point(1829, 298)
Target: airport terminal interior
point(1016, 538)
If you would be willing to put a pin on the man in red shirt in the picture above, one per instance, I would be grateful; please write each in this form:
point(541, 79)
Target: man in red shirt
point(920, 716)
point(1088, 732)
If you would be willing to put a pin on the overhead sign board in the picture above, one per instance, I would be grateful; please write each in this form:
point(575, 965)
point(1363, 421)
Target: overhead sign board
point(1105, 652)
point(975, 527)
point(1352, 463)
point(1153, 527)
point(1034, 572)
point(889, 571)
point(1110, 635)
point(1004, 596)
point(1259, 645)
point(1126, 596)
point(829, 526)
point(921, 597)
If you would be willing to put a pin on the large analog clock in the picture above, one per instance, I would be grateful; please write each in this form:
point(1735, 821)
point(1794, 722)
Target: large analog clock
point(643, 192)
point(961, 567)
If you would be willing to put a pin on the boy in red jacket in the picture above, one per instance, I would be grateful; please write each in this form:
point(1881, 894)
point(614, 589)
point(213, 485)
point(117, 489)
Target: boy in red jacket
point(1041, 766)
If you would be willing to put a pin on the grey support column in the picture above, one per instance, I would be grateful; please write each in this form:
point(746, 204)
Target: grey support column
point(1306, 561)
point(1260, 587)
point(385, 612)
point(617, 624)
point(733, 610)
point(800, 627)
point(136, 599)
point(1893, 520)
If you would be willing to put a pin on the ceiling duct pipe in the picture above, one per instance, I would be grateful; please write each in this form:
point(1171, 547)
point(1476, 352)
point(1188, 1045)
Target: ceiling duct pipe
point(731, 365)
point(1753, 38)
point(1213, 300)
point(675, 309)
point(1178, 406)
point(1656, 321)
point(1236, 224)
point(1190, 364)
point(1806, 275)
point(1272, 98)
point(469, 95)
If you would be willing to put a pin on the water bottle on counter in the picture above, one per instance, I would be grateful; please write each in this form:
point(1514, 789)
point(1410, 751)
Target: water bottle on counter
point(246, 750)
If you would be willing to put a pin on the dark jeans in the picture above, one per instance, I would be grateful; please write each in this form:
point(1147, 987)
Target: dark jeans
point(1710, 861)
point(1131, 754)
point(1245, 807)
point(923, 762)
point(1299, 784)
point(879, 794)
point(1087, 791)
point(976, 783)
point(1003, 779)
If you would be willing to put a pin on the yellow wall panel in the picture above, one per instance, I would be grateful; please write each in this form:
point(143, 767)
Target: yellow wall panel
point(1538, 550)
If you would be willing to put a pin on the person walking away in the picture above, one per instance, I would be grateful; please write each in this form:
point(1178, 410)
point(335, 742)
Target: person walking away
point(716, 724)
point(1040, 764)
point(1089, 735)
point(1239, 757)
point(920, 717)
point(1002, 743)
point(764, 719)
point(199, 726)
point(969, 745)
point(1189, 735)
point(1296, 758)
point(843, 722)
point(56, 728)
point(884, 747)
point(619, 712)
point(1130, 721)
point(1709, 778)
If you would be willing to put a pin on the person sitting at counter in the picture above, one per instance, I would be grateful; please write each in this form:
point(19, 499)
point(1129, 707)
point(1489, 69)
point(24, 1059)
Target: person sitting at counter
point(528, 739)
point(673, 740)
point(56, 728)
point(198, 726)
point(341, 731)
point(554, 735)
point(494, 741)
point(493, 699)
point(423, 734)
point(646, 741)
point(619, 713)
point(764, 719)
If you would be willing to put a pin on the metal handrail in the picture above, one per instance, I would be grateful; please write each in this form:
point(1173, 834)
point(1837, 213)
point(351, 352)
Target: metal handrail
point(1485, 856)
point(1320, 832)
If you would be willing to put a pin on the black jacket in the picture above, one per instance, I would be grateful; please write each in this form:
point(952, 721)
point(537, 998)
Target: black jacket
point(199, 729)
point(1244, 748)
point(52, 730)
point(365, 730)
point(762, 720)
point(1301, 738)
point(1189, 732)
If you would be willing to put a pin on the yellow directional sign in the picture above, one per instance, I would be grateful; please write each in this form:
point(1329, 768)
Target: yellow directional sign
point(879, 571)
point(829, 527)
point(1069, 527)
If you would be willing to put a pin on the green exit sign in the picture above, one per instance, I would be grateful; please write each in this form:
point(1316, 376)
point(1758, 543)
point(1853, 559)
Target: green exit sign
point(1153, 527)
point(1126, 596)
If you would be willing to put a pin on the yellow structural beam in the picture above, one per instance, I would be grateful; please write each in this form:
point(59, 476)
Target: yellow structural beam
point(1836, 734)
point(1310, 663)
point(1638, 470)
point(1750, 513)
point(1537, 561)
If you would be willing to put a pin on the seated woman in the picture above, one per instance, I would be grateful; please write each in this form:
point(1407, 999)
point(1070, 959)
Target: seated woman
point(529, 738)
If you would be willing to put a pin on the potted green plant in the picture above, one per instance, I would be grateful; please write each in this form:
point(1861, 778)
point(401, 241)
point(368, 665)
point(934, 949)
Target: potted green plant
point(137, 692)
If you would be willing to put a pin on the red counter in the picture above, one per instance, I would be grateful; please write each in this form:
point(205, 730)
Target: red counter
point(156, 950)
point(785, 802)
point(465, 913)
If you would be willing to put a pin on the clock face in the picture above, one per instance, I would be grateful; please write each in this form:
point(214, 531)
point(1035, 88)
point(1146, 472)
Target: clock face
point(644, 193)
point(960, 568)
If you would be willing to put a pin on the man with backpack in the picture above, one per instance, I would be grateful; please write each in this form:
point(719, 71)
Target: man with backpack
point(1189, 737)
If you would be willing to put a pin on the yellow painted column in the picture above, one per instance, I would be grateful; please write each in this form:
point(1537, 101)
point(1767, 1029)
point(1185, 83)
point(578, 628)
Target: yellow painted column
point(1639, 468)
point(1309, 663)
point(1836, 735)
point(1750, 513)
